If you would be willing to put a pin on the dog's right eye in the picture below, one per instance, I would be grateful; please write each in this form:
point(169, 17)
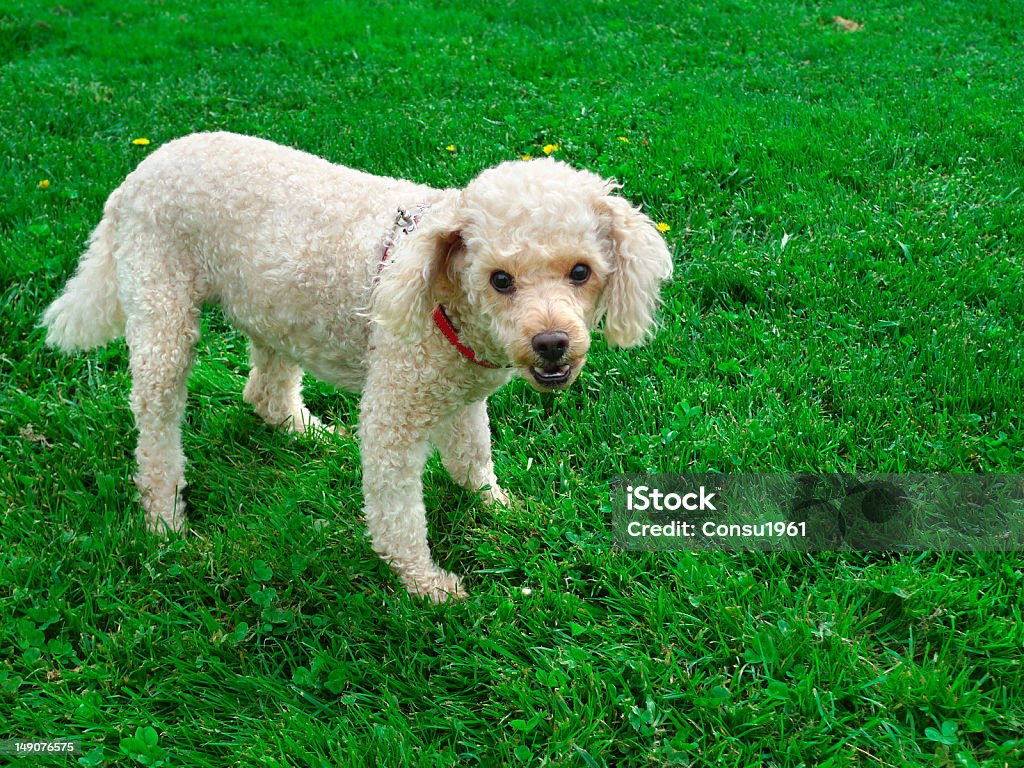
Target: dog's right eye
point(502, 282)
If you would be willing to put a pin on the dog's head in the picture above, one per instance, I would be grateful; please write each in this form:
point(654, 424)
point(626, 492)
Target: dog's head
point(527, 259)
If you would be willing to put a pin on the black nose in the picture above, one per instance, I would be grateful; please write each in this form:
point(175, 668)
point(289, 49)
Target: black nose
point(550, 345)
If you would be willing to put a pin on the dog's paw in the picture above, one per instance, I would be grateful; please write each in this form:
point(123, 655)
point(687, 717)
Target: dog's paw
point(305, 422)
point(495, 494)
point(440, 586)
point(164, 508)
point(172, 522)
point(317, 430)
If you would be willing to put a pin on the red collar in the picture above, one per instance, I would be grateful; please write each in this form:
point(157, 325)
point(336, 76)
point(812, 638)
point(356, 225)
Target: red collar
point(405, 223)
point(441, 321)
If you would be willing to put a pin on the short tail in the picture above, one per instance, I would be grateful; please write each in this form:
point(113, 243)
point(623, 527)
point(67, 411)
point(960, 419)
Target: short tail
point(89, 313)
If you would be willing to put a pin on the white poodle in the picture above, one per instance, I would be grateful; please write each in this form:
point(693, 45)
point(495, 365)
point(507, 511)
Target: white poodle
point(426, 301)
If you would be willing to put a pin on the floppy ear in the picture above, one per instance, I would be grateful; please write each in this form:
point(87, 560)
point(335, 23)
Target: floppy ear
point(403, 299)
point(641, 261)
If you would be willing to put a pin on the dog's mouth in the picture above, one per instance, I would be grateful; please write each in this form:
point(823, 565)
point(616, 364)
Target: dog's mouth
point(552, 375)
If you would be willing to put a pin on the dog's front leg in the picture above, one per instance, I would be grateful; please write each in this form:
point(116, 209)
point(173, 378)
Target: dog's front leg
point(394, 442)
point(464, 441)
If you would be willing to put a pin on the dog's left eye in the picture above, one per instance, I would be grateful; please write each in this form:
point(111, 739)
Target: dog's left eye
point(579, 274)
point(502, 282)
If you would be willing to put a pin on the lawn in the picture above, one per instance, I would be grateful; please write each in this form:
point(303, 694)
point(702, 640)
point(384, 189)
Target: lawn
point(846, 208)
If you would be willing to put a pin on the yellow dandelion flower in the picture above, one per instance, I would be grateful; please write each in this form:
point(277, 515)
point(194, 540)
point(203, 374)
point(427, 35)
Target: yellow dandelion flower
point(140, 142)
point(549, 148)
point(44, 184)
point(450, 148)
point(526, 157)
point(663, 227)
point(624, 140)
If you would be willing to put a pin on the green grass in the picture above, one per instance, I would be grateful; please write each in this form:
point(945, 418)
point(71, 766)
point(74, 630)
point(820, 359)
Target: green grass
point(846, 213)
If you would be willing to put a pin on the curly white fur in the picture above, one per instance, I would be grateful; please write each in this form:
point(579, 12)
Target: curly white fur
point(289, 246)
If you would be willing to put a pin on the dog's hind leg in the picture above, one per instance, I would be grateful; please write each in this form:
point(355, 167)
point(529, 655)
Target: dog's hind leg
point(162, 330)
point(274, 390)
point(464, 442)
